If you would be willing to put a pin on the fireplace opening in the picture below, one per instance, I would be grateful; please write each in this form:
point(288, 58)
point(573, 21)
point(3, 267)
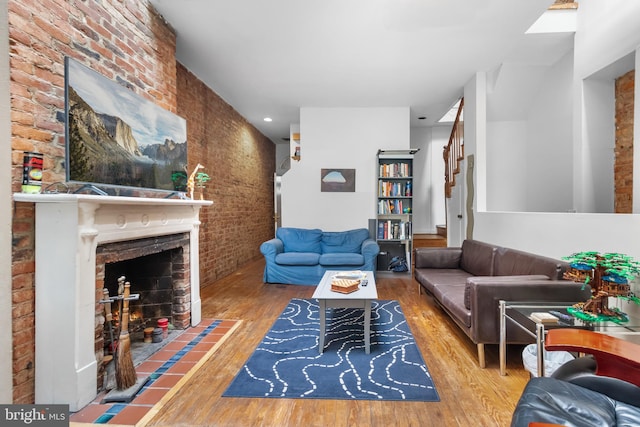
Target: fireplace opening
point(158, 270)
point(151, 278)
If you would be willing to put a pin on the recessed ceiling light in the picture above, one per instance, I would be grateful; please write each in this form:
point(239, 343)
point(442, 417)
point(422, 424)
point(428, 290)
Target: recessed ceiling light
point(268, 119)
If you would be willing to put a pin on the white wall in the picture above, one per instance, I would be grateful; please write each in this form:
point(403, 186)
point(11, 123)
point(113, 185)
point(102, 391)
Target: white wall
point(529, 138)
point(507, 166)
point(559, 234)
point(283, 158)
point(605, 30)
point(597, 143)
point(549, 141)
point(428, 178)
point(6, 376)
point(345, 138)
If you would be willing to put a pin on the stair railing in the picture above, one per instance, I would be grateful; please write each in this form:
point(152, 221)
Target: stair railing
point(454, 152)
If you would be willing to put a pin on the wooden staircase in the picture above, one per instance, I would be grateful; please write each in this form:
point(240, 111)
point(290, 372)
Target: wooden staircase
point(429, 241)
point(454, 152)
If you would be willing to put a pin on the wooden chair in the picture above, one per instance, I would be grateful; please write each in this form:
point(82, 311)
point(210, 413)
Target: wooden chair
point(615, 357)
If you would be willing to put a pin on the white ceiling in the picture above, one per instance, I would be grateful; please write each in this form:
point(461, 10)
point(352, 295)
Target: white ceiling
point(270, 58)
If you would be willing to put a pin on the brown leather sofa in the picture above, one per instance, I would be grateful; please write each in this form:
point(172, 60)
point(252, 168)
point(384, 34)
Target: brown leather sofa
point(469, 282)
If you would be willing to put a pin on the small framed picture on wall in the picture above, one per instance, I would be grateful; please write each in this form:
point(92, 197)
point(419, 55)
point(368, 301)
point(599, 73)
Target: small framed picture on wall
point(338, 180)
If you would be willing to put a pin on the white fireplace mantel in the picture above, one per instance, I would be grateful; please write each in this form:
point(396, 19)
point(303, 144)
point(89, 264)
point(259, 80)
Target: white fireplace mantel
point(69, 227)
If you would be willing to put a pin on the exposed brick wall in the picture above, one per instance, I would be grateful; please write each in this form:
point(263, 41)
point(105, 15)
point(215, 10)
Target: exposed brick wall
point(240, 161)
point(623, 162)
point(130, 43)
point(125, 41)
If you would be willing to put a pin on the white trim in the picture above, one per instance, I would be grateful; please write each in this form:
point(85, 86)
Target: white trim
point(6, 347)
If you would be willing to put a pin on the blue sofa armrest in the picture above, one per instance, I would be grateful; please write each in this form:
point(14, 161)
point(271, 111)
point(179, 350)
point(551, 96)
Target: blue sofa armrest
point(271, 248)
point(370, 249)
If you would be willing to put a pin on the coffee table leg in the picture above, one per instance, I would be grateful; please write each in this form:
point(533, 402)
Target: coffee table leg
point(323, 325)
point(367, 326)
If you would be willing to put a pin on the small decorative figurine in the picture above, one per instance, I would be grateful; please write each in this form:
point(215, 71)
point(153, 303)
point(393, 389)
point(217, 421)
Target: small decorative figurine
point(201, 179)
point(192, 179)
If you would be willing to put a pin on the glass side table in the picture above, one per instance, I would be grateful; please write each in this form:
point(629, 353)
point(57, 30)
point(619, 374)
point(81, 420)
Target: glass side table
point(519, 312)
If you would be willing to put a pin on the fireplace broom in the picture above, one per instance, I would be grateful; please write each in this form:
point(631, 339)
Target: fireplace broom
point(125, 371)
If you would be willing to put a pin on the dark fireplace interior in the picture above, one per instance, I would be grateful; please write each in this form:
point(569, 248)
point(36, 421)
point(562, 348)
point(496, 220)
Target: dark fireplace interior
point(158, 270)
point(150, 277)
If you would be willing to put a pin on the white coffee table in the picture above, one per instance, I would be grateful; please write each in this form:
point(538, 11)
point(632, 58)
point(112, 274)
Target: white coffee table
point(359, 299)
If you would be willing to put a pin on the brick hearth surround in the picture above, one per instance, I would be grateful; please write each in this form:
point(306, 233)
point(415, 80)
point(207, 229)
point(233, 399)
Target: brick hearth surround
point(128, 42)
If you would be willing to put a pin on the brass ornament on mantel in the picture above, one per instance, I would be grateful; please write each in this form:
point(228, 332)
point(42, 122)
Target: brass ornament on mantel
point(197, 179)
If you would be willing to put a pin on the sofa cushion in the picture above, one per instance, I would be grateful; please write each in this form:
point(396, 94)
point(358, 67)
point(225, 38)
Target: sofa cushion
point(437, 257)
point(343, 241)
point(300, 239)
point(429, 278)
point(297, 258)
point(511, 262)
point(451, 298)
point(477, 258)
point(341, 259)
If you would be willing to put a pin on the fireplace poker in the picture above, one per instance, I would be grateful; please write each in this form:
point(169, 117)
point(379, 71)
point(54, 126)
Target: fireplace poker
point(110, 375)
point(121, 280)
point(108, 317)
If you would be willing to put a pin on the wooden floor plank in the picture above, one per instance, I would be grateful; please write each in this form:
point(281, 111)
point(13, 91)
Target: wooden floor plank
point(469, 395)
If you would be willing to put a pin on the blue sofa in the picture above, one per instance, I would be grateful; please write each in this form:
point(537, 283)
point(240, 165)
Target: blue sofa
point(300, 256)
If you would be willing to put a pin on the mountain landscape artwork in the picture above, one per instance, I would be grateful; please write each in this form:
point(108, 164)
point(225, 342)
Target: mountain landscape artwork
point(116, 137)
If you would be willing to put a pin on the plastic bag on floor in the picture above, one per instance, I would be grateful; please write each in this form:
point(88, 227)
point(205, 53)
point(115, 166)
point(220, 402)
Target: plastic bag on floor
point(398, 265)
point(552, 360)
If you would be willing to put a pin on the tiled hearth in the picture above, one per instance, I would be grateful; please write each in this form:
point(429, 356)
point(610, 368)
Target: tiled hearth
point(168, 369)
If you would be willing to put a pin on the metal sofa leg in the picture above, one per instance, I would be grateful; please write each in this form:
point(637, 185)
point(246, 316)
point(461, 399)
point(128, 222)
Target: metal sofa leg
point(481, 359)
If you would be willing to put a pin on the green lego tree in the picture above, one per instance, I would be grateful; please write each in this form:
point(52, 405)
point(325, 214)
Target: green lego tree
point(608, 274)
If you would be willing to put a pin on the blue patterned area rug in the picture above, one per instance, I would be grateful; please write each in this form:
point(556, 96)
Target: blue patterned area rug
point(287, 363)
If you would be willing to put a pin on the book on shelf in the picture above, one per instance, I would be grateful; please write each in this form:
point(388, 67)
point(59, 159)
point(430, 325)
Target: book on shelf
point(395, 170)
point(544, 317)
point(396, 207)
point(393, 230)
point(393, 189)
point(380, 230)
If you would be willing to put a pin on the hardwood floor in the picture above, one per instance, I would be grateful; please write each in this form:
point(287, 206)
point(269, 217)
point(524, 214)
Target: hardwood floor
point(469, 396)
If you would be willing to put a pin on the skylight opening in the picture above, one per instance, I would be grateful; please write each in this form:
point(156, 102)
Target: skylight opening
point(450, 116)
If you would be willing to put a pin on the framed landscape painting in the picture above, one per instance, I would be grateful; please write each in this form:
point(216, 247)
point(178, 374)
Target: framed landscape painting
point(338, 180)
